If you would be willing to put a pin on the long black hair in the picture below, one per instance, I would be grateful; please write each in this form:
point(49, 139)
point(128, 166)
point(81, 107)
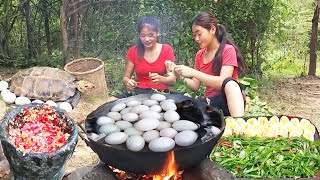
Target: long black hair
point(153, 23)
point(207, 20)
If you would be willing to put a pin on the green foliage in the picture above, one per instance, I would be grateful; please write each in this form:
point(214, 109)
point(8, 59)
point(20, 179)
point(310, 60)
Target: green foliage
point(286, 45)
point(249, 86)
point(254, 107)
point(114, 72)
point(180, 86)
point(247, 22)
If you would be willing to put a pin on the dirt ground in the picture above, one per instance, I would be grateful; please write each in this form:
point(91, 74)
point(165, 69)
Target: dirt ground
point(295, 96)
point(299, 97)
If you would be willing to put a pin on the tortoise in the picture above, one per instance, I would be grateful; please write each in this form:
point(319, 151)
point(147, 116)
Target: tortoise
point(47, 83)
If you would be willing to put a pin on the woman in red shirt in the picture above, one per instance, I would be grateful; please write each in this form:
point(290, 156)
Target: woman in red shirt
point(217, 64)
point(148, 60)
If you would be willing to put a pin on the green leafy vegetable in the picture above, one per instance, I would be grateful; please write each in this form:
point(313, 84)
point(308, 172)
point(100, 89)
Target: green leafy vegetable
point(268, 158)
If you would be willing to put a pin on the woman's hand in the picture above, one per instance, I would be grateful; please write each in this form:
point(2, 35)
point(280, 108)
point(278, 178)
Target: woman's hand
point(169, 65)
point(131, 84)
point(183, 71)
point(155, 77)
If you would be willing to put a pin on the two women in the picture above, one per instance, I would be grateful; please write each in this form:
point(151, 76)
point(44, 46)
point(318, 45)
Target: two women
point(217, 64)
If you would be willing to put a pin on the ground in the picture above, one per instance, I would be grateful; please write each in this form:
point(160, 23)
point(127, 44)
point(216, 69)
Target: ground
point(293, 96)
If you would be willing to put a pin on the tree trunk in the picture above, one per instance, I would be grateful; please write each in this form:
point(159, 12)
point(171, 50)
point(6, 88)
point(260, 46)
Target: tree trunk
point(313, 43)
point(74, 27)
point(45, 13)
point(26, 11)
point(64, 33)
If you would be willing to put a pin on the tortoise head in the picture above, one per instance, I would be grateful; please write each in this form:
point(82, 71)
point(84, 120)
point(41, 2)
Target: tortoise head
point(84, 86)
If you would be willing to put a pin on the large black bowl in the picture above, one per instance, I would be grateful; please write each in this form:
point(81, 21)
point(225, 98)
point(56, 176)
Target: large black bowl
point(146, 161)
point(37, 165)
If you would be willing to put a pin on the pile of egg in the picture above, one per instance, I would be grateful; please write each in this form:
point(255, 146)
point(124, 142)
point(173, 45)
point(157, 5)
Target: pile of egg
point(153, 121)
point(10, 98)
point(273, 127)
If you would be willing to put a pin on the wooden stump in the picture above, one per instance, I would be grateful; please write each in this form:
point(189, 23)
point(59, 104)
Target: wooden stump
point(90, 69)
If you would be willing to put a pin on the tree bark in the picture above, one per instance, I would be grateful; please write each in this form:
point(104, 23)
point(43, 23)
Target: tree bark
point(313, 43)
point(26, 12)
point(64, 32)
point(75, 34)
point(45, 13)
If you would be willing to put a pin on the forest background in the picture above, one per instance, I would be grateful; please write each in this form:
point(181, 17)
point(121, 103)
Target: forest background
point(274, 36)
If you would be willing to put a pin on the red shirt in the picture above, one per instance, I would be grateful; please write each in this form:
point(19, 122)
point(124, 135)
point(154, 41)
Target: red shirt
point(229, 58)
point(143, 67)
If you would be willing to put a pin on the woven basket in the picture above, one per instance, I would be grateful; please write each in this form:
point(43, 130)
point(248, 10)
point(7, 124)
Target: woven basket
point(90, 69)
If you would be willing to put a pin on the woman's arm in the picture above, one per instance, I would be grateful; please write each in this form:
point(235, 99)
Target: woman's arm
point(128, 71)
point(168, 80)
point(198, 76)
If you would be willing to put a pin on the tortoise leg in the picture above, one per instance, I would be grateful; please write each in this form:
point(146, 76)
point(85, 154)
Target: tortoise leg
point(75, 99)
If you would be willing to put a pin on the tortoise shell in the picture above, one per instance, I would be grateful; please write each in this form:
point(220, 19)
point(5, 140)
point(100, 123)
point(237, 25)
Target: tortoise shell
point(43, 83)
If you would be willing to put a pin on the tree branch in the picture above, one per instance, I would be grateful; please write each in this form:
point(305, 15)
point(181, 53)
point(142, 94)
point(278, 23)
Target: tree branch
point(93, 2)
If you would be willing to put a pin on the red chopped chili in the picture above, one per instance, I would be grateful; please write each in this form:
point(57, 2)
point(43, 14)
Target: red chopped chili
point(38, 130)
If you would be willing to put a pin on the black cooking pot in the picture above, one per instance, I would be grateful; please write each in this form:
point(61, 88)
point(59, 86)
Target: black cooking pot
point(147, 161)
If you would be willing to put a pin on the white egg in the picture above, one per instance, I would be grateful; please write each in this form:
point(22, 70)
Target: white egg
point(133, 103)
point(308, 127)
point(5, 92)
point(150, 135)
point(147, 124)
point(131, 131)
point(171, 116)
point(108, 129)
point(118, 107)
point(168, 132)
point(114, 115)
point(9, 98)
point(183, 125)
point(139, 109)
point(130, 117)
point(22, 101)
point(215, 130)
point(37, 101)
point(295, 121)
point(51, 103)
point(149, 114)
point(309, 136)
point(158, 97)
point(123, 124)
point(284, 120)
point(186, 138)
point(3, 85)
point(263, 120)
point(252, 121)
point(227, 132)
point(304, 122)
point(135, 143)
point(165, 101)
point(126, 110)
point(161, 144)
point(66, 106)
point(240, 121)
point(150, 102)
point(116, 138)
point(168, 105)
point(156, 108)
point(274, 120)
point(94, 136)
point(102, 120)
point(163, 124)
